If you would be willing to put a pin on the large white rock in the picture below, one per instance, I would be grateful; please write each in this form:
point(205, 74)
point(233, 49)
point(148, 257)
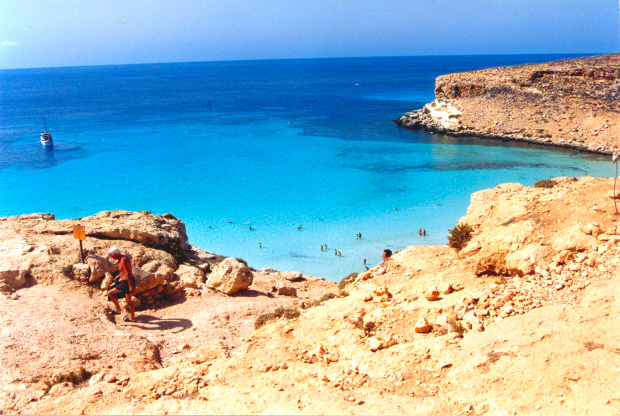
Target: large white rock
point(99, 266)
point(230, 276)
point(525, 260)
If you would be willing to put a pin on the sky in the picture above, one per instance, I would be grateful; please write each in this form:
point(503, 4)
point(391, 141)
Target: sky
point(52, 33)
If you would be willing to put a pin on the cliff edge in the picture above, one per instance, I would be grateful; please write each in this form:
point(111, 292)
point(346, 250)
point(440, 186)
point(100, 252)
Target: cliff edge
point(571, 103)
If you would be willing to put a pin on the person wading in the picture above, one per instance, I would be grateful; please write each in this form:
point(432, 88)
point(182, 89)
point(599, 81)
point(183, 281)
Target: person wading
point(125, 283)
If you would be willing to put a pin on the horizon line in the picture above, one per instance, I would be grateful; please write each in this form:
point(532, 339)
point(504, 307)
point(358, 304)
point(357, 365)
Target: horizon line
point(309, 59)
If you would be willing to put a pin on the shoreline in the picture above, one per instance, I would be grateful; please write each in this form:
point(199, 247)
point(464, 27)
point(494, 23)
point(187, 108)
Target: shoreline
point(432, 127)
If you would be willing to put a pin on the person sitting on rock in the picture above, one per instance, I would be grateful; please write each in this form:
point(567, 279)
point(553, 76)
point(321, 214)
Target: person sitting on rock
point(125, 283)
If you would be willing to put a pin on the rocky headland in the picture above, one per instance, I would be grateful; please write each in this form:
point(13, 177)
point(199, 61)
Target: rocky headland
point(573, 103)
point(521, 320)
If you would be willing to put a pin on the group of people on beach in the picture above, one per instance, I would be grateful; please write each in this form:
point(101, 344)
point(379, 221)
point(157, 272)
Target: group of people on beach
point(422, 232)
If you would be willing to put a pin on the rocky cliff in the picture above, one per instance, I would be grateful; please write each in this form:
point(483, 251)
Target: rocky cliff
point(571, 103)
point(522, 320)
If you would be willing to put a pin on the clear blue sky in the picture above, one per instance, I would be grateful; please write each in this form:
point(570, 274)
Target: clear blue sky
point(44, 33)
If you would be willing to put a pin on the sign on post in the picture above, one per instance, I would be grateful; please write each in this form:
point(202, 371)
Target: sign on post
point(79, 233)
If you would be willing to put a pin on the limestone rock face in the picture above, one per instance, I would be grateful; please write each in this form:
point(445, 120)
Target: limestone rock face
point(230, 276)
point(157, 230)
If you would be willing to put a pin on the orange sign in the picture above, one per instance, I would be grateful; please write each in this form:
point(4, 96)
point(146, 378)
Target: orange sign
point(79, 232)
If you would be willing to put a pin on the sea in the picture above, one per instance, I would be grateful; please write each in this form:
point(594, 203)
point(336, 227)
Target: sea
point(283, 163)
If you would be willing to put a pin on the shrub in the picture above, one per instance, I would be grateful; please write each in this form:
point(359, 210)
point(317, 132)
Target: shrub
point(545, 183)
point(459, 236)
point(323, 298)
point(288, 313)
point(263, 319)
point(172, 247)
point(67, 270)
point(71, 377)
point(457, 326)
point(369, 328)
point(346, 280)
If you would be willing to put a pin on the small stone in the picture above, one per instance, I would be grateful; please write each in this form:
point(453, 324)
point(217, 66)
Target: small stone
point(351, 398)
point(375, 344)
point(431, 294)
point(422, 326)
point(110, 378)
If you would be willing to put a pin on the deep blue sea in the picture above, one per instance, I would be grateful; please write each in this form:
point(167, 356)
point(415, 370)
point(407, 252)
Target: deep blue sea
point(271, 145)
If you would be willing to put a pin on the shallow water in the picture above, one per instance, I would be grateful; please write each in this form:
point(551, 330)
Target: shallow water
point(271, 145)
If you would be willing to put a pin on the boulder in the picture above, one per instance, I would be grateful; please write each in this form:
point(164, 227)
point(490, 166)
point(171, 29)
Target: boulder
point(525, 260)
point(99, 266)
point(230, 276)
point(107, 281)
point(190, 276)
point(287, 291)
point(13, 278)
point(145, 280)
point(80, 272)
point(573, 239)
point(291, 276)
point(151, 266)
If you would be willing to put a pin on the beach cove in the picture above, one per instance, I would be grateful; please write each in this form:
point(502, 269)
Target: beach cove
point(271, 145)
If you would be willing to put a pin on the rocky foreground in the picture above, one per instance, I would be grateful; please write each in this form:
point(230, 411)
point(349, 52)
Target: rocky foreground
point(522, 320)
point(572, 103)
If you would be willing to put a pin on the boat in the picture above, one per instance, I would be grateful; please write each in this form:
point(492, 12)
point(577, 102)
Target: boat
point(45, 136)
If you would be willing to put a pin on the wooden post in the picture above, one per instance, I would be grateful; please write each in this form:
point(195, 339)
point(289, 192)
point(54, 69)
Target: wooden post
point(79, 233)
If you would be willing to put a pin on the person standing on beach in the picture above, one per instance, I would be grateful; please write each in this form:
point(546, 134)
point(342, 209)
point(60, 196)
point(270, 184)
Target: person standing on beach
point(125, 283)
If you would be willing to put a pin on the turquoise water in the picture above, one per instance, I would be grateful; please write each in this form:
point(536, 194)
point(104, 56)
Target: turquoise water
point(271, 145)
